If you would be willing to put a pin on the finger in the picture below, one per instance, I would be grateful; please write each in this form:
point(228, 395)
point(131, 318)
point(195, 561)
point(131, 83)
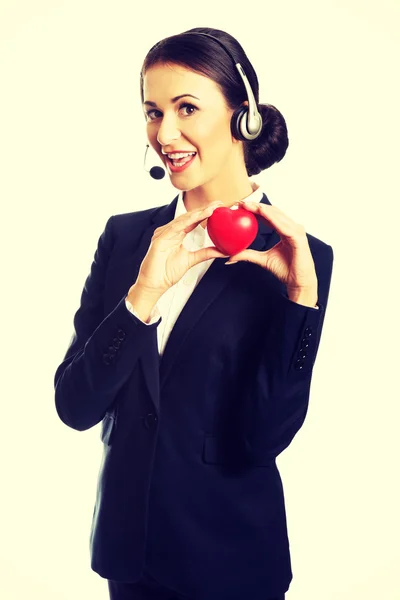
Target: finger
point(191, 219)
point(253, 256)
point(198, 256)
point(182, 225)
point(283, 224)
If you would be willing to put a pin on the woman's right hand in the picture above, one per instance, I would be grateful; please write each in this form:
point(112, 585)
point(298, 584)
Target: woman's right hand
point(167, 261)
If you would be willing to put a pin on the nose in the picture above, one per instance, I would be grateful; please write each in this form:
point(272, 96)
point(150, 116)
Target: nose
point(167, 131)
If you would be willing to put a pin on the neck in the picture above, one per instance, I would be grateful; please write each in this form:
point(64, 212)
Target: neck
point(230, 185)
point(228, 194)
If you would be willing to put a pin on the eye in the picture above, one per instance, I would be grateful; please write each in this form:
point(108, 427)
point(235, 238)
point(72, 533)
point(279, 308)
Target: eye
point(187, 105)
point(149, 113)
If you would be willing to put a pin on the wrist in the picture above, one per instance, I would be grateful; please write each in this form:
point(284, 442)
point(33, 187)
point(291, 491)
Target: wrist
point(139, 289)
point(143, 301)
point(304, 296)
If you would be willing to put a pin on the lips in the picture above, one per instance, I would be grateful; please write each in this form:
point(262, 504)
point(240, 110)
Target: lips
point(175, 169)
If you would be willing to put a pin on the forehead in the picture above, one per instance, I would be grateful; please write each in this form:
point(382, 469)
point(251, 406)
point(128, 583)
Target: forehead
point(163, 81)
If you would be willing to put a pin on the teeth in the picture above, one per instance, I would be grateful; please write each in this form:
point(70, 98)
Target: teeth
point(180, 154)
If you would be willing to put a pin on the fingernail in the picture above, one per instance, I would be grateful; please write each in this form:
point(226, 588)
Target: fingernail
point(231, 262)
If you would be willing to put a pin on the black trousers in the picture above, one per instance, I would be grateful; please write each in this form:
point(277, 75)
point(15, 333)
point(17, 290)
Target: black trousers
point(148, 589)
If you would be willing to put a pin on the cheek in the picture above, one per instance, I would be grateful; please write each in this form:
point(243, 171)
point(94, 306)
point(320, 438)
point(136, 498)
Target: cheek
point(213, 140)
point(210, 130)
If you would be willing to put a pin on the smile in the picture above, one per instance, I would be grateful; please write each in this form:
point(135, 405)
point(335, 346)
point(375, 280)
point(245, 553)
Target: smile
point(181, 164)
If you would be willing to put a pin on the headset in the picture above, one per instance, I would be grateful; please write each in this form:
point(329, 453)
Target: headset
point(246, 121)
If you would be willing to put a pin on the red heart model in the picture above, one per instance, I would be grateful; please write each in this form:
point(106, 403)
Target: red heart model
point(231, 231)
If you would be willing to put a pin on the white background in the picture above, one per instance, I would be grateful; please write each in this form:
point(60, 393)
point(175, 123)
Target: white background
point(72, 143)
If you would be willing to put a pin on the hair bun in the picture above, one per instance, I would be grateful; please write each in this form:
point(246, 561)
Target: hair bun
point(271, 145)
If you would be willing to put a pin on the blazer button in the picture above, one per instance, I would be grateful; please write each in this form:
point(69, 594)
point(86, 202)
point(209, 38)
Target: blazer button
point(120, 334)
point(304, 344)
point(308, 332)
point(150, 420)
point(298, 365)
point(106, 359)
point(111, 351)
point(116, 343)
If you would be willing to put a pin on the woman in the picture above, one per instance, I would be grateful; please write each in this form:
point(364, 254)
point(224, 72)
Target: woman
point(189, 498)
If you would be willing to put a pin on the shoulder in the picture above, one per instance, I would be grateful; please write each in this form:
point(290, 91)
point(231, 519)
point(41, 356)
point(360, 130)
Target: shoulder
point(319, 246)
point(138, 218)
point(126, 225)
point(322, 254)
point(125, 230)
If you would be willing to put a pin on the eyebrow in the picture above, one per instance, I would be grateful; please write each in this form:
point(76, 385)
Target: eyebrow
point(175, 99)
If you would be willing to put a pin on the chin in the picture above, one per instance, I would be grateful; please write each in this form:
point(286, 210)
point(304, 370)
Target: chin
point(180, 186)
point(184, 183)
point(190, 182)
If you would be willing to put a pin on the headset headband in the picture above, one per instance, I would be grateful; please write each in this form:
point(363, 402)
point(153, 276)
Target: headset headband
point(253, 125)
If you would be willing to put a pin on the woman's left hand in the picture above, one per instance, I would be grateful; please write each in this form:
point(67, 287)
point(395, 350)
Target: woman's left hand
point(290, 260)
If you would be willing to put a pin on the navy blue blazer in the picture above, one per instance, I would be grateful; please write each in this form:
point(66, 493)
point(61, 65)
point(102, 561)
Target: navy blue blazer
point(188, 486)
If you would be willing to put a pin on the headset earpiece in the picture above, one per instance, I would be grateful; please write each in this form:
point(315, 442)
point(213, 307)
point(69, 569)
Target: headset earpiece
point(237, 123)
point(241, 126)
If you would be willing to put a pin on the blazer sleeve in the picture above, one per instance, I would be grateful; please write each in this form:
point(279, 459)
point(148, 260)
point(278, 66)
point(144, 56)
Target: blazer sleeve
point(103, 351)
point(276, 391)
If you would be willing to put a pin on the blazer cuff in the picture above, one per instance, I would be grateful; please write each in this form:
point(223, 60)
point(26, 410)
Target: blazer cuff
point(154, 315)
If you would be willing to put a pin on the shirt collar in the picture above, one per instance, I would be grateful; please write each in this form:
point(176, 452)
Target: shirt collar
point(199, 235)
